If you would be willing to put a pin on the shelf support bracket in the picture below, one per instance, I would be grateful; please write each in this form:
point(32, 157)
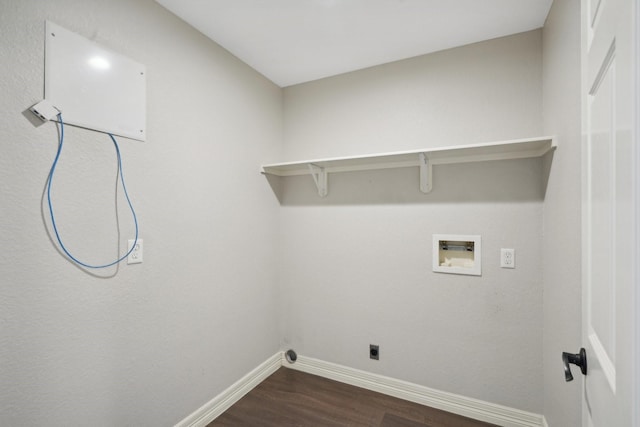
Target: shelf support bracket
point(320, 177)
point(426, 181)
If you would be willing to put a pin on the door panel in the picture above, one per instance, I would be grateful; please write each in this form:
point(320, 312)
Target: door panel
point(608, 213)
point(601, 196)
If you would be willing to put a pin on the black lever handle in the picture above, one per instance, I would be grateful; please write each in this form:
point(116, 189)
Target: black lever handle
point(579, 359)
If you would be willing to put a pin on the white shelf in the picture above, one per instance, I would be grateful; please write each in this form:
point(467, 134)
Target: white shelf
point(504, 150)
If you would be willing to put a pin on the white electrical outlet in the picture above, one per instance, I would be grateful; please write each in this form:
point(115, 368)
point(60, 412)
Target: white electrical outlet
point(507, 258)
point(135, 257)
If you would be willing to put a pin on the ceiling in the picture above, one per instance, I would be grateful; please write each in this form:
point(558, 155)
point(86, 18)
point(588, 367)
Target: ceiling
point(296, 41)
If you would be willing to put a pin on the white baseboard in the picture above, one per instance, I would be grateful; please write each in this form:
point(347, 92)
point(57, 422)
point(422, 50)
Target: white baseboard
point(468, 407)
point(461, 405)
point(216, 406)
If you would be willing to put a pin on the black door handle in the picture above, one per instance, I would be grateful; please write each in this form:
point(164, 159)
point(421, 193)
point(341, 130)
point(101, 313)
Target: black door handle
point(579, 359)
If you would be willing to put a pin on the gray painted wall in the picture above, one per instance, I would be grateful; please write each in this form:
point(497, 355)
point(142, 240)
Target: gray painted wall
point(152, 342)
point(148, 344)
point(357, 265)
point(562, 207)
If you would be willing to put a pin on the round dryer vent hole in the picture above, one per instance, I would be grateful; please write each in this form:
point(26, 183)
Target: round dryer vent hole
point(291, 356)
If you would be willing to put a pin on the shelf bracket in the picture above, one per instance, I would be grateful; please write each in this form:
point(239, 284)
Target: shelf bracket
point(320, 177)
point(425, 173)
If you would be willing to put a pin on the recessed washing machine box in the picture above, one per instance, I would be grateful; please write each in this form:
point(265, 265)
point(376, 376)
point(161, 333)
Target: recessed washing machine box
point(457, 254)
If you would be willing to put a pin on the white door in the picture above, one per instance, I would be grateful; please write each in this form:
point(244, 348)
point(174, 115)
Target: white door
point(609, 213)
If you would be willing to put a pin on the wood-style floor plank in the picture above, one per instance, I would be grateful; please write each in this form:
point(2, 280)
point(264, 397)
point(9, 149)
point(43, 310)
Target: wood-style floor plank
point(294, 398)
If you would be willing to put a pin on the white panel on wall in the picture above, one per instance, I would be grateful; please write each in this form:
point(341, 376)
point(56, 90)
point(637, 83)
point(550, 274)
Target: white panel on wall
point(93, 87)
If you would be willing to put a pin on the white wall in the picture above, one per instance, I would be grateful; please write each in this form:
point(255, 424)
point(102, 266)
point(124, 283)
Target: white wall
point(150, 343)
point(357, 265)
point(562, 247)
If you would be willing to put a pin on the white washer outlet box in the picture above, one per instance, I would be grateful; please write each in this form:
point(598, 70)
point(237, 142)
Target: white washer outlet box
point(457, 254)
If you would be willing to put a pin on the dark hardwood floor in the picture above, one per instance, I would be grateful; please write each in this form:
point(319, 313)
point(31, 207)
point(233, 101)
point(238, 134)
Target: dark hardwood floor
point(293, 398)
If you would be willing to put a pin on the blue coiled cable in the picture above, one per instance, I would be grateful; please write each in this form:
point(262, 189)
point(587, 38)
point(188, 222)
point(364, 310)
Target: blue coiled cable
point(53, 219)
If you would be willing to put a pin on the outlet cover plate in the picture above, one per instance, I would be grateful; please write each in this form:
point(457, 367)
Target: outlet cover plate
point(374, 352)
point(507, 258)
point(135, 257)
